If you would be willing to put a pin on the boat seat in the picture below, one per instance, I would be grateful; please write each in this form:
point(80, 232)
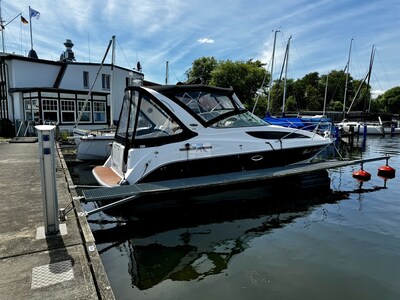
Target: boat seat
point(106, 176)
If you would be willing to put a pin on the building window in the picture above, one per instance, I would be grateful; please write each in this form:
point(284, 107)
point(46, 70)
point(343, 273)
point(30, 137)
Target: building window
point(67, 111)
point(50, 110)
point(86, 116)
point(31, 109)
point(99, 112)
point(105, 81)
point(86, 79)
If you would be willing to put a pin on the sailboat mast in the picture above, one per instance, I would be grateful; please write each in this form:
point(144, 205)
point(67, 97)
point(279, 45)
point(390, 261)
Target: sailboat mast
point(365, 80)
point(2, 28)
point(371, 62)
point(166, 72)
point(272, 70)
point(112, 94)
point(284, 85)
point(347, 79)
point(326, 93)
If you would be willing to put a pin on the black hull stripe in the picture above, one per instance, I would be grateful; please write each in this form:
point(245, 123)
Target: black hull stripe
point(233, 163)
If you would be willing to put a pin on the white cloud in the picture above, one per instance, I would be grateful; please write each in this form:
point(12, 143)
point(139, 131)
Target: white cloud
point(376, 93)
point(206, 41)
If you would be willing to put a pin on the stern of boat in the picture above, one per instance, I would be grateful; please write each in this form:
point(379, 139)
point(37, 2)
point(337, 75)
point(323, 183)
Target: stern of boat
point(111, 173)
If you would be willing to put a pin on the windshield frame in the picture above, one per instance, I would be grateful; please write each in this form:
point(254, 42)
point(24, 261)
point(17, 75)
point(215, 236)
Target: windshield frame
point(210, 105)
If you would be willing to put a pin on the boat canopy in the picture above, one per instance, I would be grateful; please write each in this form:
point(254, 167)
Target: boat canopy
point(212, 106)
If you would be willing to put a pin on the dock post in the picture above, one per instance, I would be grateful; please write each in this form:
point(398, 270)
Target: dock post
point(364, 137)
point(337, 134)
point(351, 135)
point(48, 178)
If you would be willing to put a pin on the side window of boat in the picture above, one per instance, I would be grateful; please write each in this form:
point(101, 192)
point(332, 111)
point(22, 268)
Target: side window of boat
point(154, 121)
point(127, 109)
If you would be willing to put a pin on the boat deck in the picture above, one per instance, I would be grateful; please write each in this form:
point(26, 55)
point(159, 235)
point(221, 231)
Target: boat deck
point(107, 176)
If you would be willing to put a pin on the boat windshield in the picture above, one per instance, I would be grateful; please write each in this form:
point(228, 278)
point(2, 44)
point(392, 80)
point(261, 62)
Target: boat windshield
point(150, 121)
point(211, 107)
point(245, 119)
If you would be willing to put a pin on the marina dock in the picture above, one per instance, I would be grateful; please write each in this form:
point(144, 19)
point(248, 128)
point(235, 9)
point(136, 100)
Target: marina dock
point(34, 265)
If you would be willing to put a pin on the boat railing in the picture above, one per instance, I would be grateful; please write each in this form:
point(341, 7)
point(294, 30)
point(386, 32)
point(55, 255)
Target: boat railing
point(324, 128)
point(99, 132)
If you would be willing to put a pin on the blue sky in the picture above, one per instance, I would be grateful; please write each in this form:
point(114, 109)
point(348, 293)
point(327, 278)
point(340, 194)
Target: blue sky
point(180, 31)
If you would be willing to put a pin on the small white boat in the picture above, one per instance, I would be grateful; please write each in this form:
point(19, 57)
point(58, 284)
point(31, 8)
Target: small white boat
point(372, 128)
point(359, 127)
point(94, 144)
point(185, 131)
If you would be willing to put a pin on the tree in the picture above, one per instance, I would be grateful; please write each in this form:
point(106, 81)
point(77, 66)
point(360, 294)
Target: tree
point(291, 104)
point(337, 86)
point(313, 98)
point(246, 78)
point(307, 93)
point(310, 91)
point(390, 100)
point(202, 68)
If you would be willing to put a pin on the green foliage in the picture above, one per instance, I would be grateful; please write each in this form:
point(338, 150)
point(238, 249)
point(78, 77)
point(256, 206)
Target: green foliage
point(307, 93)
point(390, 100)
point(291, 104)
point(245, 77)
point(202, 68)
point(336, 106)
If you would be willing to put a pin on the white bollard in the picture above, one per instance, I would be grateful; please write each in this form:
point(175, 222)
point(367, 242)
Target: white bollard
point(48, 178)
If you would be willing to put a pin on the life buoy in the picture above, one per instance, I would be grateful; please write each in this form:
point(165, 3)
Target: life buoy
point(361, 175)
point(386, 172)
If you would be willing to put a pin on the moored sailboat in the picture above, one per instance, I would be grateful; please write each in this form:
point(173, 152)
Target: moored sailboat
point(364, 126)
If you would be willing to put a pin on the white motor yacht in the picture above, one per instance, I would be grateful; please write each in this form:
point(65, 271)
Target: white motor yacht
point(183, 131)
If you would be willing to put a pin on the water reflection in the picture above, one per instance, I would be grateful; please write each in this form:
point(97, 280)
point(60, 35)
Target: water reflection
point(196, 237)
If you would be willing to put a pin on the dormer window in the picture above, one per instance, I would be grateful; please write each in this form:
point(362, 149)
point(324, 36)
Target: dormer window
point(86, 79)
point(105, 81)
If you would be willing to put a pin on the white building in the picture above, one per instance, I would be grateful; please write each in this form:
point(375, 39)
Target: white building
point(33, 89)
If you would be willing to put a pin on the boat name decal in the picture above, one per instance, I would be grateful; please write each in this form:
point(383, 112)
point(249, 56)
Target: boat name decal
point(196, 147)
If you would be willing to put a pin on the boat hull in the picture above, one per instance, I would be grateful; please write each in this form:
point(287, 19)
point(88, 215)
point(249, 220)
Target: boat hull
point(94, 148)
point(232, 163)
point(359, 129)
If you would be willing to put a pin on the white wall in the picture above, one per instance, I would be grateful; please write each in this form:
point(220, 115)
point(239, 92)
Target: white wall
point(25, 73)
point(31, 74)
point(73, 79)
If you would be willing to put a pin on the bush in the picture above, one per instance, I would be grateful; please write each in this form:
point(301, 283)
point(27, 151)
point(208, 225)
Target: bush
point(7, 128)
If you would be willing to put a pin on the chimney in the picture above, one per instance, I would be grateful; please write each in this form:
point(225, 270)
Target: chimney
point(68, 55)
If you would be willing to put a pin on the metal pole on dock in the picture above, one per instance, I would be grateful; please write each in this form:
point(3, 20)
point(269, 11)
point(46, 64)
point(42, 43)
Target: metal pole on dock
point(48, 178)
point(351, 135)
point(364, 137)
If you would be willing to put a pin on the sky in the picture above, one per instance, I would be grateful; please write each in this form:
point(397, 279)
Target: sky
point(181, 31)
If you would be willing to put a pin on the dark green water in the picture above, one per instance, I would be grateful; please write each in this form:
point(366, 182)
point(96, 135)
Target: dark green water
point(267, 242)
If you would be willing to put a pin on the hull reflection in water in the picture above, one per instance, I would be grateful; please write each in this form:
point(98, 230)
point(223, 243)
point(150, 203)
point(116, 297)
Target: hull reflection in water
point(198, 236)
